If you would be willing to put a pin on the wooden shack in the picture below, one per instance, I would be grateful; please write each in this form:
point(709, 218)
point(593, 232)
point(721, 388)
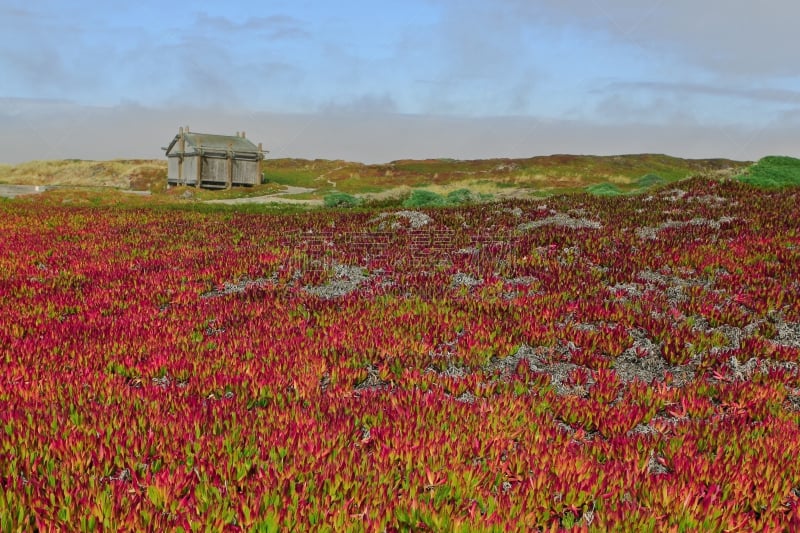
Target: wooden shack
point(213, 161)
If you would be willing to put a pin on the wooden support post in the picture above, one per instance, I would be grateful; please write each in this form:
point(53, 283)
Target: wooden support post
point(181, 152)
point(259, 177)
point(199, 166)
point(230, 165)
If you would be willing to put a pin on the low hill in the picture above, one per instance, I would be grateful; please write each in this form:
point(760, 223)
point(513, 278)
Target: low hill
point(536, 173)
point(135, 174)
point(500, 177)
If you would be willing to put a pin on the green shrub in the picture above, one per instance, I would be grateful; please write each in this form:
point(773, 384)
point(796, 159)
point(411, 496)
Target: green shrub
point(773, 172)
point(604, 189)
point(423, 198)
point(761, 183)
point(460, 196)
point(341, 199)
point(650, 180)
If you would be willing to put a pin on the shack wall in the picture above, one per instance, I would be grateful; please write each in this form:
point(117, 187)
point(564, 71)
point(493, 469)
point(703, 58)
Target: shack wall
point(190, 170)
point(215, 172)
point(172, 170)
point(245, 172)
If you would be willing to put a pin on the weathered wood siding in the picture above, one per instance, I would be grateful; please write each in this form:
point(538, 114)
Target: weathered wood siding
point(188, 176)
point(190, 169)
point(172, 170)
point(246, 172)
point(214, 172)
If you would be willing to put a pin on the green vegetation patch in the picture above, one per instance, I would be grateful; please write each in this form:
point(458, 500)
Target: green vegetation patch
point(773, 172)
point(423, 198)
point(426, 198)
point(604, 189)
point(341, 199)
point(650, 180)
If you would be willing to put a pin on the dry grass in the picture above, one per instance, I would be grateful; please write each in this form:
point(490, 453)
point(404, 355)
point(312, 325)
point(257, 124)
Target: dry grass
point(621, 180)
point(386, 194)
point(137, 174)
point(496, 178)
point(478, 187)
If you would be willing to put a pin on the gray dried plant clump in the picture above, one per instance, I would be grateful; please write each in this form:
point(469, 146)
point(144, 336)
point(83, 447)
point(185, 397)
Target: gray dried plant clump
point(789, 334)
point(560, 220)
point(345, 280)
point(240, 286)
point(416, 219)
point(461, 279)
point(651, 233)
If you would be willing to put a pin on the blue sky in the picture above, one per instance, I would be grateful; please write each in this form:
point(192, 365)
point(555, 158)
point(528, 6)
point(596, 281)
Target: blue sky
point(372, 81)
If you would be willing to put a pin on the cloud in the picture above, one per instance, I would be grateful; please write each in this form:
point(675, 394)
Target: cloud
point(736, 38)
point(480, 60)
point(364, 104)
point(625, 108)
point(791, 117)
point(694, 103)
point(272, 27)
point(772, 95)
point(29, 56)
point(37, 66)
point(30, 129)
point(100, 56)
point(723, 42)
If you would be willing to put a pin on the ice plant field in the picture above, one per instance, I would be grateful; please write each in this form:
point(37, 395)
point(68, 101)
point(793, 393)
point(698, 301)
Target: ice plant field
point(577, 362)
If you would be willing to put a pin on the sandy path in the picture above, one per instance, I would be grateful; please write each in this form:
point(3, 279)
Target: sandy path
point(277, 198)
point(12, 191)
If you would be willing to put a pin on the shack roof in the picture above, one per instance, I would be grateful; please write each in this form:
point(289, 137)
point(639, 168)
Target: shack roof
point(212, 142)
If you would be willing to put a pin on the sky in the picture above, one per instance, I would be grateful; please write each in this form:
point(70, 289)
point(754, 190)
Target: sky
point(381, 81)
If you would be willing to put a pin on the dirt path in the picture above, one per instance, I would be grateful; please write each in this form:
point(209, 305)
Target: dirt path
point(277, 198)
point(12, 191)
point(324, 176)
